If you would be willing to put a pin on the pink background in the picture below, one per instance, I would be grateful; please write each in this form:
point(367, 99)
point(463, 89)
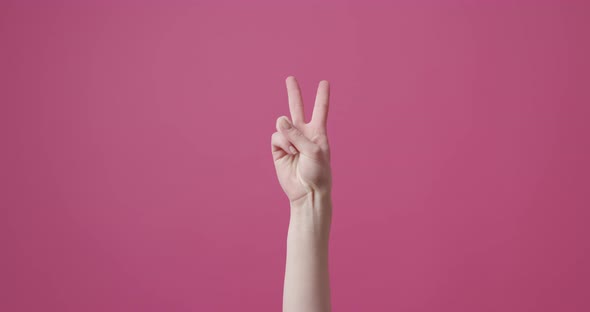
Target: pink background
point(136, 172)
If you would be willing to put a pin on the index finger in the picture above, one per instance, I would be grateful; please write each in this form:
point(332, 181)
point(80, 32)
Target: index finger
point(295, 100)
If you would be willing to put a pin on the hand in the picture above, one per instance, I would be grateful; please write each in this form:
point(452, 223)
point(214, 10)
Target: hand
point(300, 150)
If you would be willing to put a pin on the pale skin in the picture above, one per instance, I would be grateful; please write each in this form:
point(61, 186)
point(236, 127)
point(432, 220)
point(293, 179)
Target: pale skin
point(301, 155)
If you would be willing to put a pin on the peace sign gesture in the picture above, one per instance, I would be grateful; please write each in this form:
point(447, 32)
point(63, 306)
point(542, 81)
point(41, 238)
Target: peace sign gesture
point(300, 150)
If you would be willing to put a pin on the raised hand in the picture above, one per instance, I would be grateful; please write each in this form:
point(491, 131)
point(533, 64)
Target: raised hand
point(300, 150)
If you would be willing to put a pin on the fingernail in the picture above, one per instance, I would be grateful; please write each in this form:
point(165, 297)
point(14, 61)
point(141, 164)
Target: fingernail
point(293, 150)
point(285, 124)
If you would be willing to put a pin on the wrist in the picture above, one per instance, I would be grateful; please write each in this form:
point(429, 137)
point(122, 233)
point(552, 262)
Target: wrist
point(311, 215)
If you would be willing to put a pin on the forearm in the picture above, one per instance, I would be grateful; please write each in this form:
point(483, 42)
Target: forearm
point(307, 283)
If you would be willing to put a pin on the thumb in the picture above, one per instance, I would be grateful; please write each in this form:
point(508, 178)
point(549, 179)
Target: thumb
point(296, 137)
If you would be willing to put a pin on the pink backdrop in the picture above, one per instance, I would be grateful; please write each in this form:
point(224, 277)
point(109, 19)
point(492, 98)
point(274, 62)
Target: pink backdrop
point(136, 172)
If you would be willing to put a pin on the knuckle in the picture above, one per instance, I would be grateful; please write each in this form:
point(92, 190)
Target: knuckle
point(315, 150)
point(274, 137)
point(294, 132)
point(319, 139)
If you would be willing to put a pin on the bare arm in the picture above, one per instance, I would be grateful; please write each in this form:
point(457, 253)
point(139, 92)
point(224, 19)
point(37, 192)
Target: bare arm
point(307, 284)
point(302, 160)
